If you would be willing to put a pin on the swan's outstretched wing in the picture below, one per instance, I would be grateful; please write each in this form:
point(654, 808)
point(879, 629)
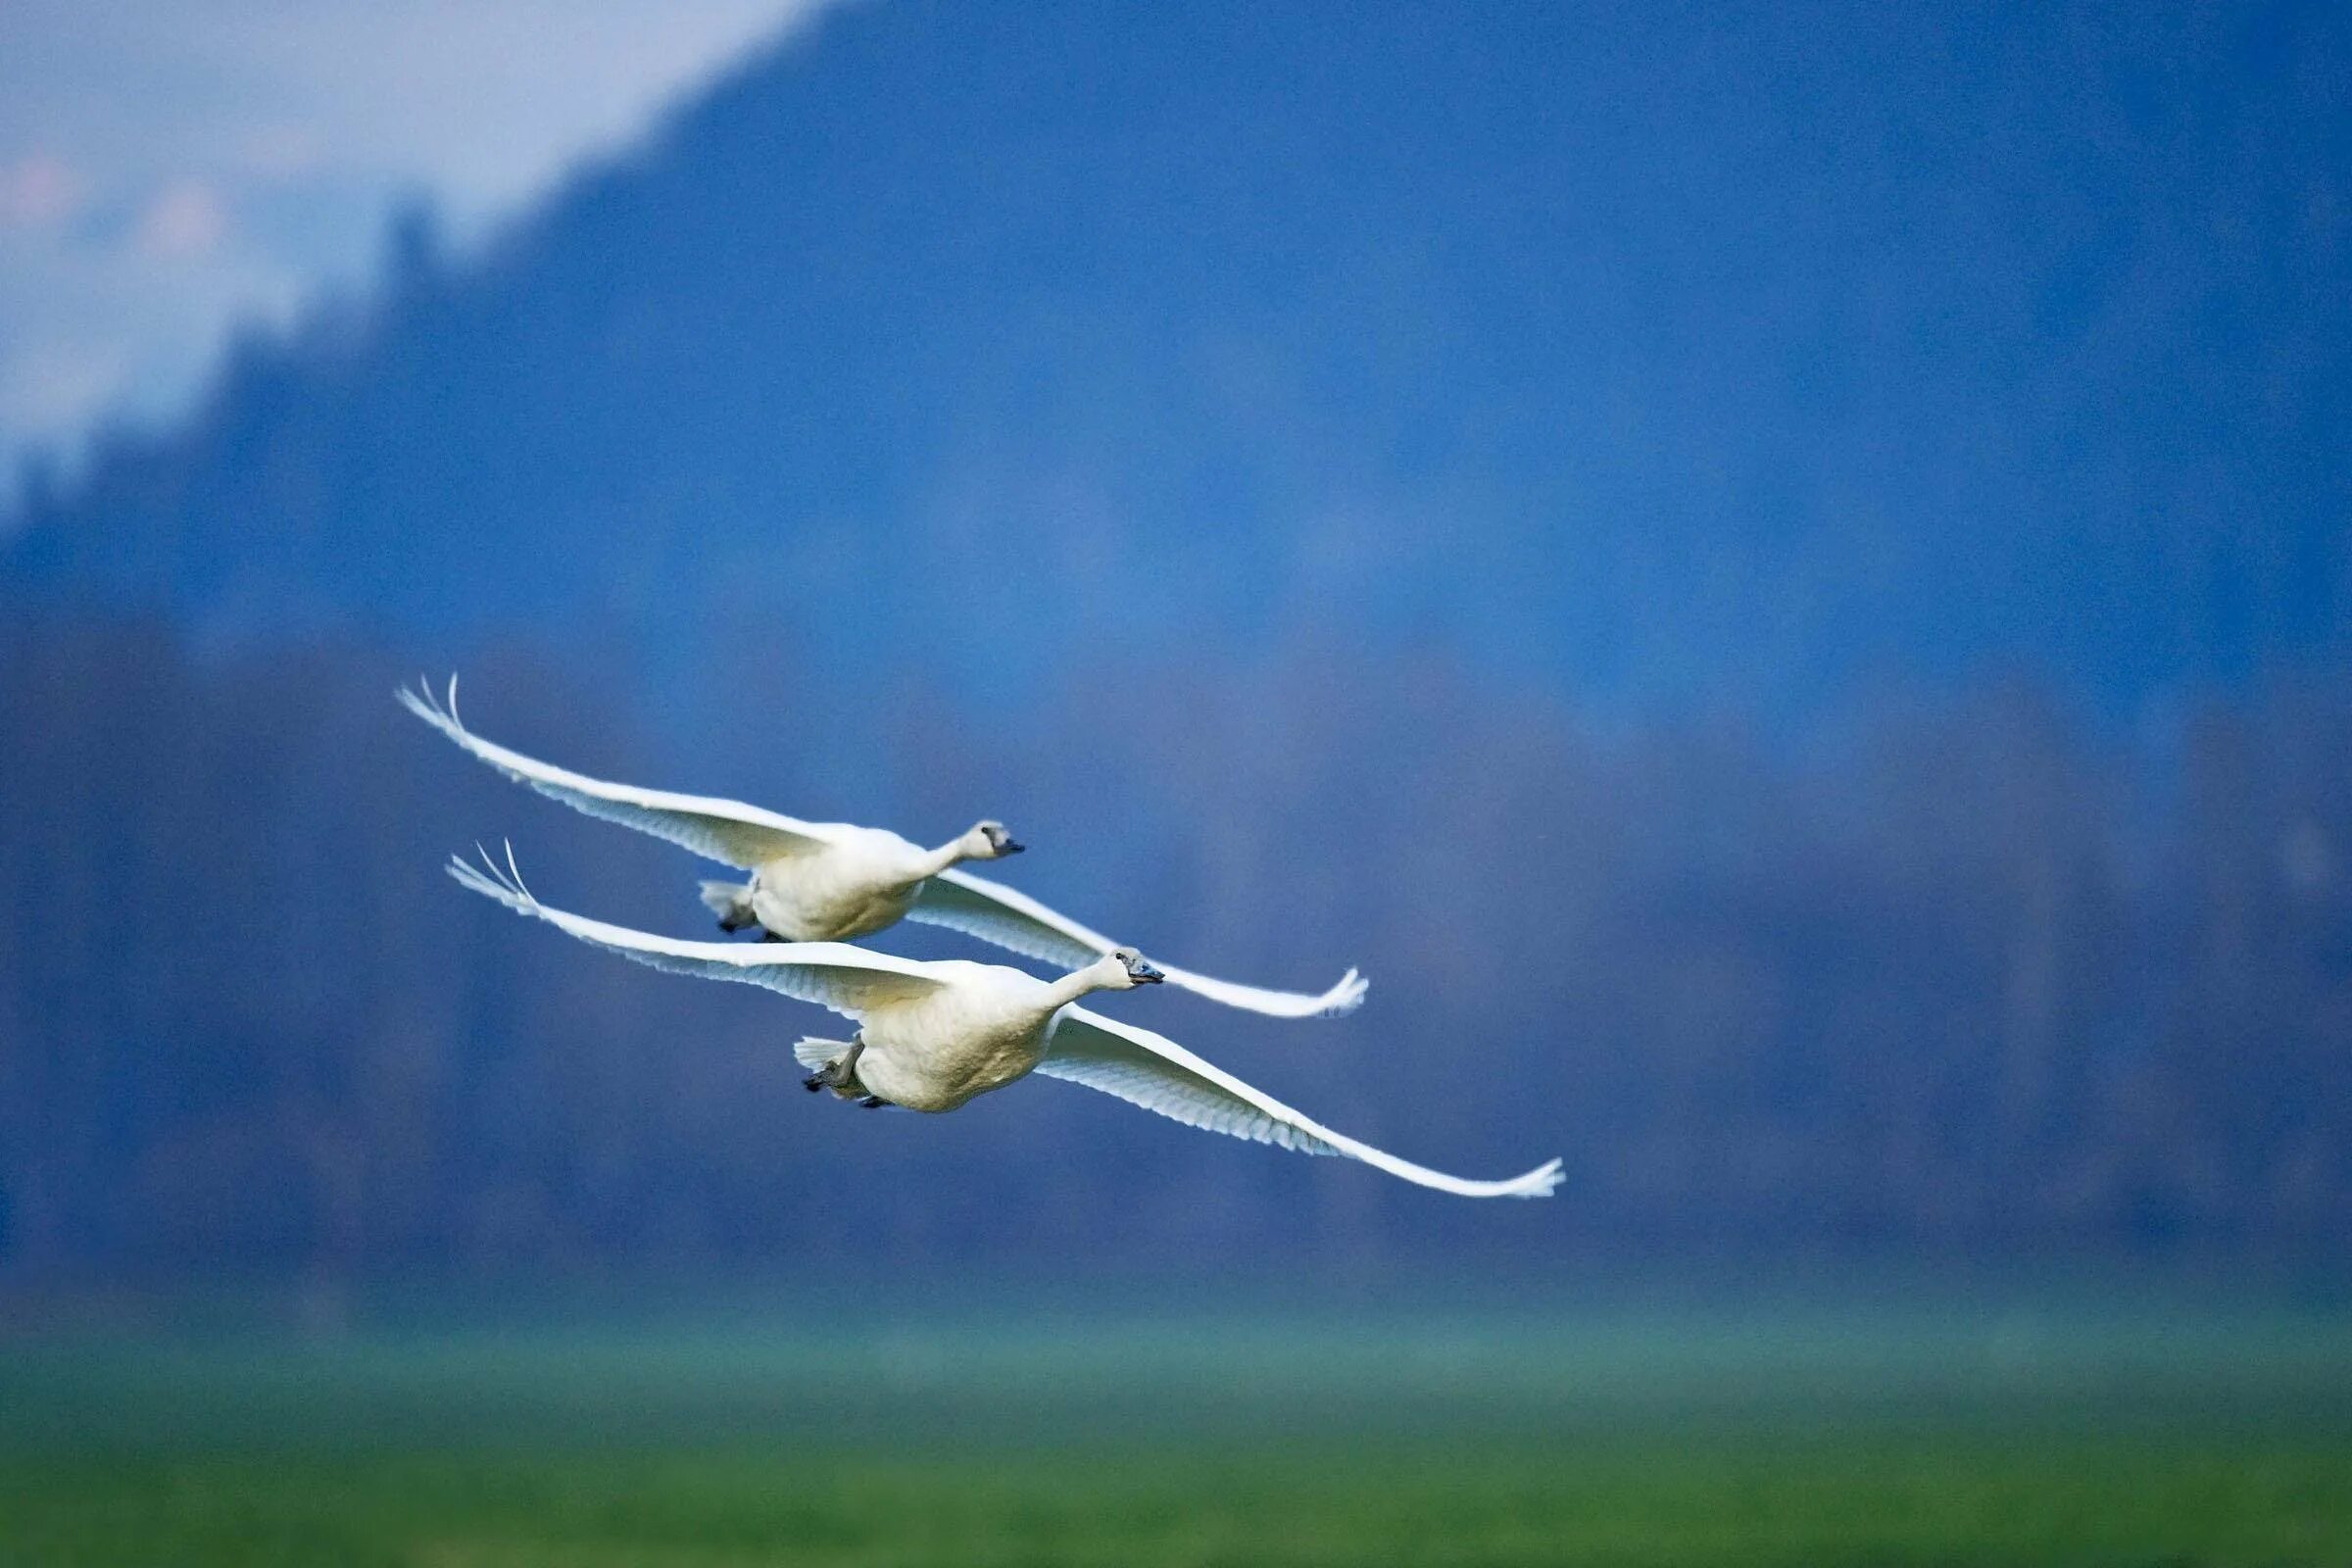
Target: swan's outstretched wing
point(1155, 1072)
point(1344, 997)
point(727, 831)
point(832, 975)
point(994, 912)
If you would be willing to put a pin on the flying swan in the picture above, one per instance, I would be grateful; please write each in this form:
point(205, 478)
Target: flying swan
point(933, 1036)
point(832, 881)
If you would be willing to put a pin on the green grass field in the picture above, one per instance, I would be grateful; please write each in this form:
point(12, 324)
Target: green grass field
point(1880, 1436)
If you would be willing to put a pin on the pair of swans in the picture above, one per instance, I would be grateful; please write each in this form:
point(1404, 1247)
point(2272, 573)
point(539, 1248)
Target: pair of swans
point(930, 1036)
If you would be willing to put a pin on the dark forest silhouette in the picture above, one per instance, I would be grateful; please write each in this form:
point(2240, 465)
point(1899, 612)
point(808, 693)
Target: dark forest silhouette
point(1979, 984)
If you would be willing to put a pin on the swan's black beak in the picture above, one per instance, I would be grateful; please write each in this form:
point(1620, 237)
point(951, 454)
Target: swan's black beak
point(1010, 846)
point(1143, 975)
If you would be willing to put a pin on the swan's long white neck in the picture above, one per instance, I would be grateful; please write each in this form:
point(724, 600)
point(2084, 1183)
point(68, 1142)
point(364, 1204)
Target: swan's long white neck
point(954, 853)
point(1078, 983)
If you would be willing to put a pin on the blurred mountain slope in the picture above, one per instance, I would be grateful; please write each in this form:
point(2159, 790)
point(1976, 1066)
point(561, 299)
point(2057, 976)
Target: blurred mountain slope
point(1677, 357)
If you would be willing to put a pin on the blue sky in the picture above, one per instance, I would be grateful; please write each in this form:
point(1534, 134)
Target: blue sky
point(169, 168)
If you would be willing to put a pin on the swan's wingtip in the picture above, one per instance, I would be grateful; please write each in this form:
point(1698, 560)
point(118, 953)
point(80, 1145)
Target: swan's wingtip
point(493, 881)
point(466, 874)
point(1346, 997)
point(435, 708)
point(1543, 1180)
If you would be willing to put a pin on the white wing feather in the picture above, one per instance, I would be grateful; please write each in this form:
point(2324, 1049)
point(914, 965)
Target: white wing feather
point(1155, 1072)
point(832, 975)
point(1009, 918)
point(727, 831)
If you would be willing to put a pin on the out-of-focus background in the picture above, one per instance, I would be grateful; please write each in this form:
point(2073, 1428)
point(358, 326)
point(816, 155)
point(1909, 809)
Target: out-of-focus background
point(1780, 577)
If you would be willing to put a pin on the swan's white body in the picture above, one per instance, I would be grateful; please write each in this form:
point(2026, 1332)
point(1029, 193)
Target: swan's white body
point(833, 881)
point(984, 1026)
point(851, 883)
point(932, 1036)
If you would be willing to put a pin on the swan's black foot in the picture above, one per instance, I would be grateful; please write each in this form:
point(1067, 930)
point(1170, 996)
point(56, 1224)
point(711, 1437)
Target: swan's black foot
point(840, 1074)
point(873, 1102)
point(769, 936)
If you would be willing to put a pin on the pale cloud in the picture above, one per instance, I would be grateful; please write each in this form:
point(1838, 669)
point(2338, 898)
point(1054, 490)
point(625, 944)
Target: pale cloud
point(172, 168)
point(40, 190)
point(186, 220)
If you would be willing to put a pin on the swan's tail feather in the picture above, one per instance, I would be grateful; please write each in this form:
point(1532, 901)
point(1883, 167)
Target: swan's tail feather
point(812, 1052)
point(731, 901)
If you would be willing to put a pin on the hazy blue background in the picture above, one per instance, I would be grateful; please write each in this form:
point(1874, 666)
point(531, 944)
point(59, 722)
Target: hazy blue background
point(1779, 577)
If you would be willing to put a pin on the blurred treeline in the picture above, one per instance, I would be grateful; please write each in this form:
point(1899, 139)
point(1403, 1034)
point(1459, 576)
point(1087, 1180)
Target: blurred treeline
point(1976, 977)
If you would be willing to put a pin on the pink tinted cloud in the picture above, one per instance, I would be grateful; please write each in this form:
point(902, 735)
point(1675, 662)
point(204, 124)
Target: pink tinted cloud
point(186, 218)
point(40, 190)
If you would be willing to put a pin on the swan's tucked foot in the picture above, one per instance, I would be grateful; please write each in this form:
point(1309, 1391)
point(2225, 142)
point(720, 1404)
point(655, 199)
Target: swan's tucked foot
point(873, 1102)
point(769, 936)
point(838, 1074)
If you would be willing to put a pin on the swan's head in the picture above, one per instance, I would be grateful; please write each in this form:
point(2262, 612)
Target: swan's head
point(1127, 969)
point(988, 841)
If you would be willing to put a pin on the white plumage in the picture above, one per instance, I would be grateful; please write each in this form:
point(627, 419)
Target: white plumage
point(833, 881)
point(933, 1036)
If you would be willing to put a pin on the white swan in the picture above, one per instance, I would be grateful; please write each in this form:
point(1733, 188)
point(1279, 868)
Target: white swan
point(932, 1036)
point(832, 881)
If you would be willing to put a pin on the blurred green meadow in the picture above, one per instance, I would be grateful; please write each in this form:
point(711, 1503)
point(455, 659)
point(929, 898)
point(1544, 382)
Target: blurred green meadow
point(811, 1429)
